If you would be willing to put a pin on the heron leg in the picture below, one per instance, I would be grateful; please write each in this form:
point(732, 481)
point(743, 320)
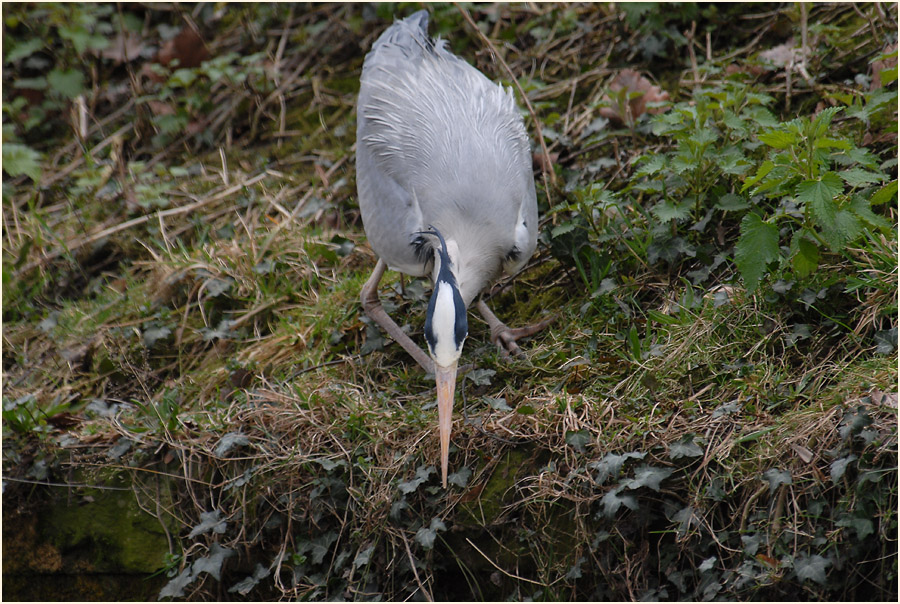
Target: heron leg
point(503, 336)
point(372, 305)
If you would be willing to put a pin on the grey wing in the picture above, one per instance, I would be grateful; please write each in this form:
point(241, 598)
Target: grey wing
point(438, 143)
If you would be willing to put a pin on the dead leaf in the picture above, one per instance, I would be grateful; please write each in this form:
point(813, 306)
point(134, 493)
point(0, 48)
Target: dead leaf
point(542, 162)
point(802, 452)
point(632, 82)
point(126, 47)
point(878, 66)
point(188, 47)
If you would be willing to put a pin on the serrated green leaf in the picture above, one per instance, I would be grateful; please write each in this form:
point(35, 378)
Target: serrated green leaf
point(704, 136)
point(805, 257)
point(887, 193)
point(666, 211)
point(755, 249)
point(861, 207)
point(820, 192)
point(844, 228)
point(832, 143)
point(761, 172)
point(857, 177)
point(731, 203)
point(20, 159)
point(888, 75)
point(654, 164)
point(778, 139)
point(68, 83)
point(562, 229)
point(820, 125)
point(23, 49)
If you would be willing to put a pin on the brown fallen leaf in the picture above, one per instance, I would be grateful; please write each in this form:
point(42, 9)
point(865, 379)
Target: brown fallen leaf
point(188, 47)
point(632, 82)
point(126, 47)
point(878, 66)
point(542, 162)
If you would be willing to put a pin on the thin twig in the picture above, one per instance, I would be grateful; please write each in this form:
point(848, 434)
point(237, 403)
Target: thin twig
point(412, 563)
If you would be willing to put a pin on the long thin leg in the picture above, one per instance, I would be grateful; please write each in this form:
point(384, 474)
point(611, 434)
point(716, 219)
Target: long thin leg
point(503, 336)
point(372, 305)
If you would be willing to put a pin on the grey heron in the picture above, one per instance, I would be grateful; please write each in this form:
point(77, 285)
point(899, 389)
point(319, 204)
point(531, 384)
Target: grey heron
point(445, 185)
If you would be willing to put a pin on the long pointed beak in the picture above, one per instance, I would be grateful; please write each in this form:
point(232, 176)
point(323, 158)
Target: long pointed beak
point(446, 385)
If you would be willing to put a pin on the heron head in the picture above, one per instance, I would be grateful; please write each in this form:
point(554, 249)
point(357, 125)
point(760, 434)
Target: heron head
point(446, 328)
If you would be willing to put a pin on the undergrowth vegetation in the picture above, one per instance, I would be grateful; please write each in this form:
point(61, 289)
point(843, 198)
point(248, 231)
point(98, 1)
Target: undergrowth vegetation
point(712, 415)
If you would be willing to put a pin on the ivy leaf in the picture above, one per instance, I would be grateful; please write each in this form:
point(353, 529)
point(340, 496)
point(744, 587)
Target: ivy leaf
point(209, 521)
point(422, 474)
point(648, 476)
point(612, 464)
point(777, 478)
point(154, 334)
point(708, 564)
point(756, 247)
point(611, 502)
point(426, 536)
point(575, 571)
point(686, 447)
point(230, 441)
point(863, 526)
point(175, 587)
point(212, 564)
point(461, 477)
point(839, 467)
point(578, 439)
point(481, 377)
point(21, 159)
point(812, 567)
point(215, 287)
point(244, 587)
point(363, 557)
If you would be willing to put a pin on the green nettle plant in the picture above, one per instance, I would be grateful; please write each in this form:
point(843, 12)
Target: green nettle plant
point(820, 204)
point(809, 188)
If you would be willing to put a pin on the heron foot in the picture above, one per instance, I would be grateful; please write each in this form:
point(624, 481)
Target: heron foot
point(505, 337)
